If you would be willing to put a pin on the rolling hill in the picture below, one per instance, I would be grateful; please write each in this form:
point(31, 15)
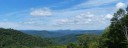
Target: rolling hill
point(10, 38)
point(59, 33)
point(62, 36)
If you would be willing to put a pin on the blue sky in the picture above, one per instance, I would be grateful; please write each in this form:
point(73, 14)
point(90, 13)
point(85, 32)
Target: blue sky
point(58, 14)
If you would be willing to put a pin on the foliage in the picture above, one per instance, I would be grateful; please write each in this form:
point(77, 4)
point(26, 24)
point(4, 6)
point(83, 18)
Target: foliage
point(56, 46)
point(10, 38)
point(66, 39)
point(71, 45)
point(86, 39)
point(115, 35)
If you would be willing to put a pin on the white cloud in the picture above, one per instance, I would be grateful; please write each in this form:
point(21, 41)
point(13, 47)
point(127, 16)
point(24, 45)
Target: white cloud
point(85, 15)
point(85, 18)
point(93, 3)
point(108, 16)
point(120, 5)
point(82, 18)
point(41, 12)
point(62, 21)
point(9, 25)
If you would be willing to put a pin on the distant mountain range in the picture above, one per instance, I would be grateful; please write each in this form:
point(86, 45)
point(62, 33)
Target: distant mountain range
point(59, 33)
point(61, 36)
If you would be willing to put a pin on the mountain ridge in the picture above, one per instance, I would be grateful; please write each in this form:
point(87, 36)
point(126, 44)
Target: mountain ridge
point(59, 33)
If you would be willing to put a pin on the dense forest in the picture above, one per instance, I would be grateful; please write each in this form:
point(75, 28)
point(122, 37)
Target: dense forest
point(10, 38)
point(114, 36)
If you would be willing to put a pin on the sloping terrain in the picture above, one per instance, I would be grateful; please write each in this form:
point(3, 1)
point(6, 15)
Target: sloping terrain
point(10, 38)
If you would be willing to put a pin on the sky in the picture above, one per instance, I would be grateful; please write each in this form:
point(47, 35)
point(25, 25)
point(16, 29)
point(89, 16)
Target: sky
point(58, 14)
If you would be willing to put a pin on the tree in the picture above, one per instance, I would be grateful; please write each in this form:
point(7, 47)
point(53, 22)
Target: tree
point(116, 34)
point(86, 40)
point(71, 45)
point(127, 10)
point(124, 23)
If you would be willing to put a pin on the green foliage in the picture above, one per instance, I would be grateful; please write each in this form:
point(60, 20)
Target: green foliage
point(87, 41)
point(10, 38)
point(93, 45)
point(66, 39)
point(71, 45)
point(59, 46)
point(114, 36)
point(127, 9)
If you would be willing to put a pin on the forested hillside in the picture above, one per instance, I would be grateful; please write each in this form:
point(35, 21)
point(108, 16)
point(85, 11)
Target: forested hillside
point(60, 33)
point(66, 39)
point(10, 38)
point(62, 36)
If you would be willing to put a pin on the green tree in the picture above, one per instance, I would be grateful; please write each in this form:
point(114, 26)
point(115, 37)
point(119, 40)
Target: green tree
point(86, 40)
point(115, 34)
point(71, 45)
